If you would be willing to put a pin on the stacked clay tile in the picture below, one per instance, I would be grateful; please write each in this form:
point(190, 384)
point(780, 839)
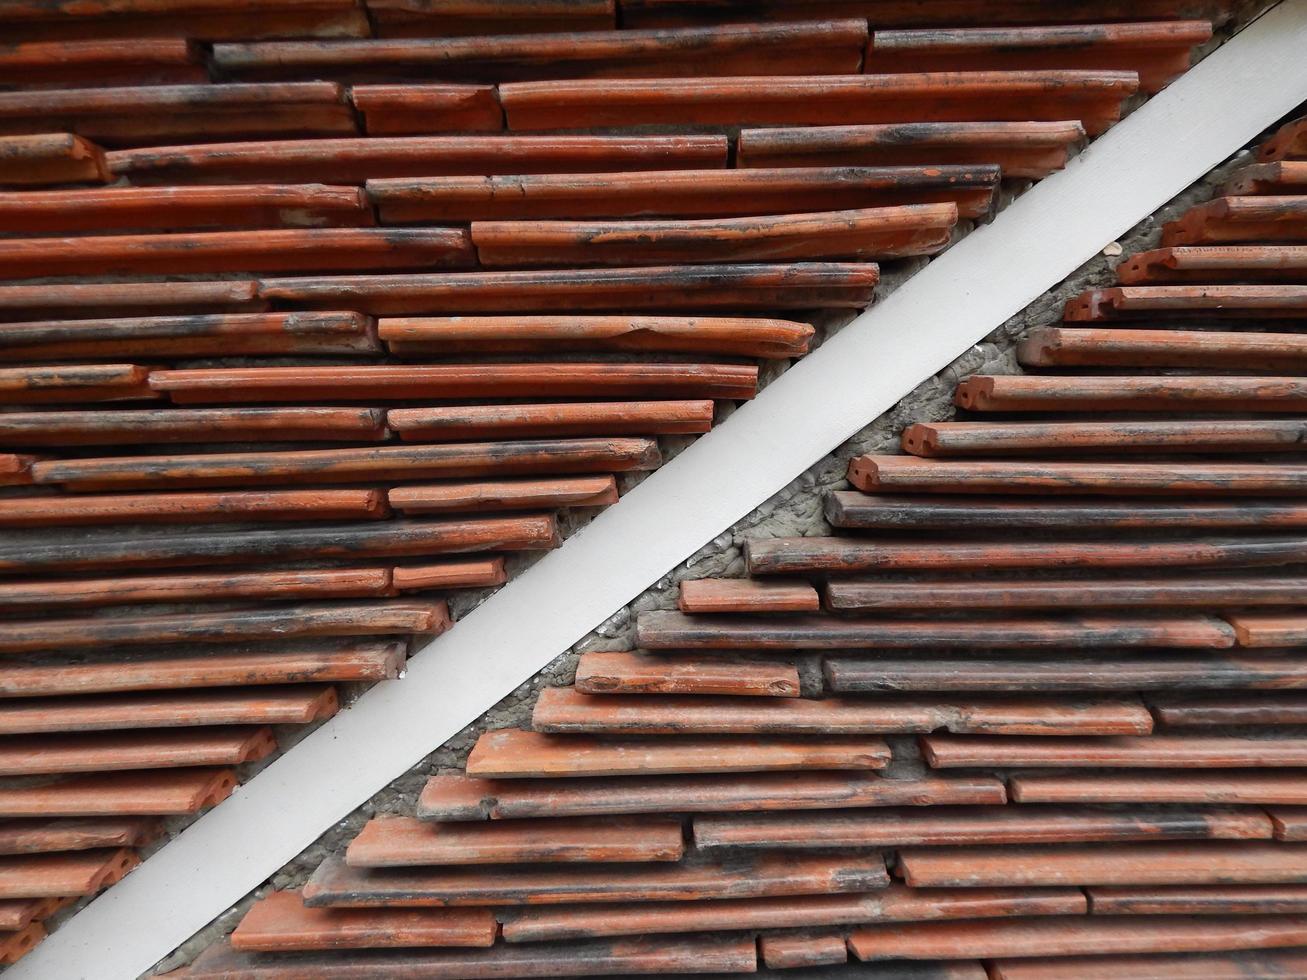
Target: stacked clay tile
point(1032, 710)
point(314, 311)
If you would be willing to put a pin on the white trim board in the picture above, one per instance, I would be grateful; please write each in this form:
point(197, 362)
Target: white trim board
point(954, 302)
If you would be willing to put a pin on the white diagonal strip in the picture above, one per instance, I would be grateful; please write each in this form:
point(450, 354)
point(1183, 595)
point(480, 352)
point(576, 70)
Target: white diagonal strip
point(954, 302)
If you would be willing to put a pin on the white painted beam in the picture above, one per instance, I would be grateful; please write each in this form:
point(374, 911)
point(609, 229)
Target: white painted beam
point(954, 302)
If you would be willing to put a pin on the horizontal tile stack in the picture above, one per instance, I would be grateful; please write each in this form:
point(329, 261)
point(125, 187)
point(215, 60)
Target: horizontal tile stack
point(313, 312)
point(1031, 710)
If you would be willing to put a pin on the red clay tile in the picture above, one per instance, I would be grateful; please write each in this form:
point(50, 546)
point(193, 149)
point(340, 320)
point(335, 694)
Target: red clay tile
point(162, 793)
point(790, 951)
point(1024, 149)
point(1159, 786)
point(512, 753)
point(426, 109)
point(1205, 863)
point(35, 596)
point(61, 875)
point(682, 193)
point(453, 796)
point(15, 470)
point(450, 424)
point(854, 509)
point(1289, 142)
point(113, 548)
point(192, 208)
point(292, 705)
point(1156, 51)
point(41, 385)
point(373, 463)
point(907, 474)
point(563, 710)
point(1222, 350)
point(18, 913)
point(1240, 219)
point(1290, 822)
point(397, 842)
point(1092, 97)
point(871, 233)
point(1024, 393)
point(614, 672)
point(171, 114)
point(893, 903)
point(728, 49)
point(742, 595)
point(50, 158)
point(669, 13)
point(716, 954)
point(660, 629)
point(946, 439)
point(38, 836)
point(498, 495)
point(1269, 629)
point(163, 426)
point(359, 159)
point(72, 19)
point(968, 826)
point(1055, 937)
point(1160, 671)
point(281, 922)
point(1223, 263)
point(260, 250)
point(1153, 751)
point(842, 556)
point(336, 885)
point(201, 508)
point(871, 596)
point(469, 573)
point(1267, 964)
point(217, 667)
point(394, 616)
point(399, 382)
point(1217, 900)
point(415, 18)
point(750, 336)
point(15, 945)
point(672, 288)
point(27, 755)
point(1208, 302)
